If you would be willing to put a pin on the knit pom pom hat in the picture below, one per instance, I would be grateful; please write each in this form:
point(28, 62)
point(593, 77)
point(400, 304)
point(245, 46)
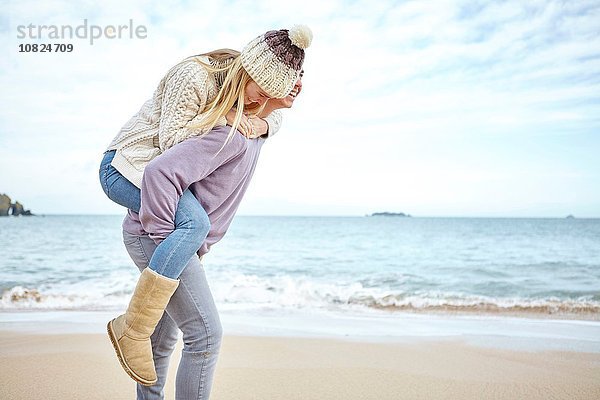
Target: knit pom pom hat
point(274, 60)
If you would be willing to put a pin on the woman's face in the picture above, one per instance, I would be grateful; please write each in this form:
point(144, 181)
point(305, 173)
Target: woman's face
point(288, 101)
point(254, 94)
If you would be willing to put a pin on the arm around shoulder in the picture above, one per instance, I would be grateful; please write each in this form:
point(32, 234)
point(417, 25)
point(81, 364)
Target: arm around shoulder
point(273, 122)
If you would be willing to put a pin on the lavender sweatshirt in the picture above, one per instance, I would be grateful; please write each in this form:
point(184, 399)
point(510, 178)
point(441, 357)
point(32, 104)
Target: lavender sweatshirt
point(218, 181)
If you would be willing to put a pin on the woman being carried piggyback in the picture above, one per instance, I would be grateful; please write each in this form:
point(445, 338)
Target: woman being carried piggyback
point(192, 172)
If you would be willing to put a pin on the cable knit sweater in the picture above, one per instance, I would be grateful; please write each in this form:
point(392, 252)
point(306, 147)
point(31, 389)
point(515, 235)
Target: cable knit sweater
point(165, 119)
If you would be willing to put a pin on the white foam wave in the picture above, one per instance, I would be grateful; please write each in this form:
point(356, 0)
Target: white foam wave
point(19, 298)
point(286, 291)
point(234, 290)
point(110, 292)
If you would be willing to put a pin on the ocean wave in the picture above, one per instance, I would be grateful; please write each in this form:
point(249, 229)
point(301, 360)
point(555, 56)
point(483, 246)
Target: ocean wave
point(300, 293)
point(237, 290)
point(480, 304)
point(22, 298)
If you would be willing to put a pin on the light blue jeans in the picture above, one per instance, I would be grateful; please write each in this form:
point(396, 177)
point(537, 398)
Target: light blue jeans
point(191, 309)
point(191, 221)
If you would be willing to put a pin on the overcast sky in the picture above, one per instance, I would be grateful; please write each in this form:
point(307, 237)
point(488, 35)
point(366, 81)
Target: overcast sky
point(433, 108)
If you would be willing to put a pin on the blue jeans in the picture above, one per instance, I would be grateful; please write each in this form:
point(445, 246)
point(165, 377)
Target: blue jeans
point(191, 221)
point(192, 310)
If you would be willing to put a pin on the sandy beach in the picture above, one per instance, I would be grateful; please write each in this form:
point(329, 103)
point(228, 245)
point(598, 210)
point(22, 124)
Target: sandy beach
point(77, 366)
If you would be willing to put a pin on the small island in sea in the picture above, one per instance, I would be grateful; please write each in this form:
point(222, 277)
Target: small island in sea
point(7, 207)
point(389, 214)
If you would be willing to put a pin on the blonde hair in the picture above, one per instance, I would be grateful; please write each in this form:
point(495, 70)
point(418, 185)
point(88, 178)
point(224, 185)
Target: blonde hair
point(228, 66)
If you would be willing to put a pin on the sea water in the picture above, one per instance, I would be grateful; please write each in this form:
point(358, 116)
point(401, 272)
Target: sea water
point(344, 265)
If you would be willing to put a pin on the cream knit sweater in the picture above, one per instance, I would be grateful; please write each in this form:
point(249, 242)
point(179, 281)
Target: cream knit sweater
point(164, 120)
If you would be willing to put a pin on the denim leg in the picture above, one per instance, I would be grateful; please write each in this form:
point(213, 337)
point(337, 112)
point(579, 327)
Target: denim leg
point(163, 341)
point(191, 221)
point(164, 337)
point(193, 309)
point(117, 187)
point(191, 228)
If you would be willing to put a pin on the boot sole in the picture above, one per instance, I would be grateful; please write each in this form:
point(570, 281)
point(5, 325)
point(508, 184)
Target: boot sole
point(121, 358)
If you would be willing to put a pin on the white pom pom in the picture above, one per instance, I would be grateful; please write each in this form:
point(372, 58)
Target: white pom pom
point(301, 36)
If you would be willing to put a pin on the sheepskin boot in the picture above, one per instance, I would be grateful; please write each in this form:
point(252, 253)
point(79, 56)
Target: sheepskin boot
point(130, 332)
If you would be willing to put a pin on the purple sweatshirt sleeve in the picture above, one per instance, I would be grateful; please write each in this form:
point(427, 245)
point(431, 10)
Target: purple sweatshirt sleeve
point(170, 174)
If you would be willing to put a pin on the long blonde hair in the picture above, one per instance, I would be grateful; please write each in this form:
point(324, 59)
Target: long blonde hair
point(228, 68)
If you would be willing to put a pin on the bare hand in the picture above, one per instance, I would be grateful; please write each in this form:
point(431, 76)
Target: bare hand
point(249, 126)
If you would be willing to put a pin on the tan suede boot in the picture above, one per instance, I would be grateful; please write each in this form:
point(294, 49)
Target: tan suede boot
point(130, 332)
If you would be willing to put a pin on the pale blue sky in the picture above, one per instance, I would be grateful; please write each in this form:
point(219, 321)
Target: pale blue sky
point(434, 108)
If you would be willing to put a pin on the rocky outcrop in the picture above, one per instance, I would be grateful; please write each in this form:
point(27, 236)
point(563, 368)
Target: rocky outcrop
point(4, 205)
point(17, 208)
point(8, 208)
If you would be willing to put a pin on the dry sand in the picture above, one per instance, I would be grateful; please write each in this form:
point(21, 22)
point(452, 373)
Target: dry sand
point(83, 366)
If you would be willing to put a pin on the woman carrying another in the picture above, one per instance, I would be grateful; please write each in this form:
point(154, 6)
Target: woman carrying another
point(190, 105)
point(191, 309)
